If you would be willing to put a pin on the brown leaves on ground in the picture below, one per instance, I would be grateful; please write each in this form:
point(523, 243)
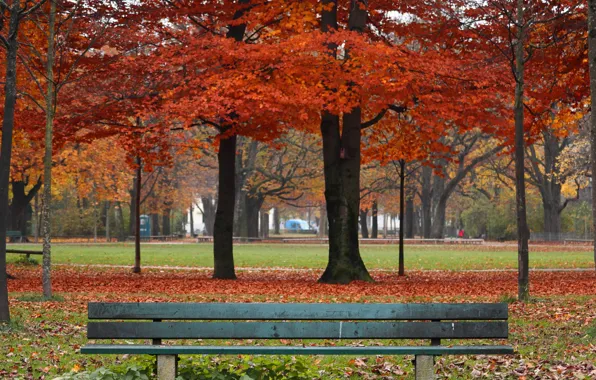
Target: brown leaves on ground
point(302, 284)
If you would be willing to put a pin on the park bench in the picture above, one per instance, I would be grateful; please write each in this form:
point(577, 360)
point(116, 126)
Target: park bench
point(14, 236)
point(351, 322)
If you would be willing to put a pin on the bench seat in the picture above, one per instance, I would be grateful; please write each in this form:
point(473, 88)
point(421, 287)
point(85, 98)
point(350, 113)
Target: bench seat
point(293, 350)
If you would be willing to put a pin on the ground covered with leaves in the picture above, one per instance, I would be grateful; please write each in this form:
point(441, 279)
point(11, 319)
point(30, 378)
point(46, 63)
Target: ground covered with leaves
point(554, 335)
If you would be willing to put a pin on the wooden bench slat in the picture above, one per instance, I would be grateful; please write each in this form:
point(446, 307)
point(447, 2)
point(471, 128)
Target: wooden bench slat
point(291, 350)
point(296, 330)
point(280, 311)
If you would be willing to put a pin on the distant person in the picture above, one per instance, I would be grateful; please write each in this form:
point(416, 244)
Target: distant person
point(461, 233)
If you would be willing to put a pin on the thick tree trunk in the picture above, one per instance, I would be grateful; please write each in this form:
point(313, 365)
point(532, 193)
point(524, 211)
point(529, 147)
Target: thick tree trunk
point(426, 201)
point(208, 214)
point(46, 278)
point(264, 225)
point(19, 203)
point(323, 225)
point(523, 232)
point(375, 221)
point(10, 98)
point(409, 227)
point(592, 64)
point(276, 221)
point(223, 230)
point(137, 218)
point(154, 224)
point(438, 227)
point(118, 215)
point(363, 225)
point(253, 206)
point(165, 222)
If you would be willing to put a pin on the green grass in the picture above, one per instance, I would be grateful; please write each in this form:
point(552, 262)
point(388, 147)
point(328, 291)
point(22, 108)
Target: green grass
point(311, 256)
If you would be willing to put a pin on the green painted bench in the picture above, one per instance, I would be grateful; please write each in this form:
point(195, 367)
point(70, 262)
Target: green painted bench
point(14, 235)
point(171, 321)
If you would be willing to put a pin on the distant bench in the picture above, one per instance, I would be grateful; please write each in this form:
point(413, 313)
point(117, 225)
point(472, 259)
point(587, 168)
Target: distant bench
point(14, 235)
point(296, 321)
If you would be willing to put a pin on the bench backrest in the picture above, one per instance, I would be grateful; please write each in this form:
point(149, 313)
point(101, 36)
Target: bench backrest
point(13, 233)
point(298, 321)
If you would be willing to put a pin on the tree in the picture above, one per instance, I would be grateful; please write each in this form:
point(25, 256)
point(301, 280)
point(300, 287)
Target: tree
point(14, 12)
point(592, 65)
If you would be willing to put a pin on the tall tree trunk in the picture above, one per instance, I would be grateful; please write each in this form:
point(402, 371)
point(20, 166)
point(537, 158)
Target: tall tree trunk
point(264, 225)
point(192, 221)
point(119, 216)
point(409, 217)
point(137, 217)
point(165, 222)
point(341, 158)
point(375, 220)
point(36, 216)
point(439, 206)
point(426, 201)
point(323, 224)
point(276, 221)
point(592, 64)
point(108, 205)
point(47, 162)
point(10, 98)
point(253, 205)
point(223, 229)
point(363, 225)
point(523, 232)
point(223, 255)
point(208, 214)
point(19, 203)
point(402, 195)
point(155, 231)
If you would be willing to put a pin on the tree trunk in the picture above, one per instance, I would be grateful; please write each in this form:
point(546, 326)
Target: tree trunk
point(264, 225)
point(375, 220)
point(192, 221)
point(19, 203)
point(208, 214)
point(592, 64)
point(47, 162)
point(276, 221)
point(253, 205)
point(439, 206)
point(118, 215)
point(137, 218)
point(409, 227)
point(108, 205)
point(363, 225)
point(223, 255)
point(520, 184)
point(402, 195)
point(10, 98)
point(133, 205)
point(36, 216)
point(426, 201)
point(323, 223)
point(154, 225)
point(165, 222)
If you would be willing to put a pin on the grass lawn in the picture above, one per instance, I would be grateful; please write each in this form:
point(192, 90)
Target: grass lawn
point(315, 256)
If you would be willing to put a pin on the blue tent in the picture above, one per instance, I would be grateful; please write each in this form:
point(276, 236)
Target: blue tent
point(296, 225)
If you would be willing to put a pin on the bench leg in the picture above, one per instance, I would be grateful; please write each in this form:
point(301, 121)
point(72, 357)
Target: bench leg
point(166, 367)
point(425, 367)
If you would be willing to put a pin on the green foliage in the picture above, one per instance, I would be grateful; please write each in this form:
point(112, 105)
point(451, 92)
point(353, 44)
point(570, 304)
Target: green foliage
point(248, 368)
point(592, 329)
point(129, 373)
point(40, 298)
point(24, 260)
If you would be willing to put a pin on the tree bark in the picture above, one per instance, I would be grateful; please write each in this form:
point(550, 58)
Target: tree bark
point(363, 225)
point(323, 223)
point(19, 203)
point(108, 205)
point(265, 225)
point(592, 64)
point(192, 221)
point(47, 162)
point(137, 218)
point(133, 205)
point(409, 217)
point(375, 220)
point(10, 98)
point(208, 214)
point(165, 222)
point(426, 201)
point(276, 221)
point(523, 232)
point(223, 229)
point(118, 215)
point(155, 231)
point(402, 195)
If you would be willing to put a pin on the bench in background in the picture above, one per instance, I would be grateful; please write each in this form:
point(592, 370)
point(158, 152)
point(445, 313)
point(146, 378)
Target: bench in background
point(296, 321)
